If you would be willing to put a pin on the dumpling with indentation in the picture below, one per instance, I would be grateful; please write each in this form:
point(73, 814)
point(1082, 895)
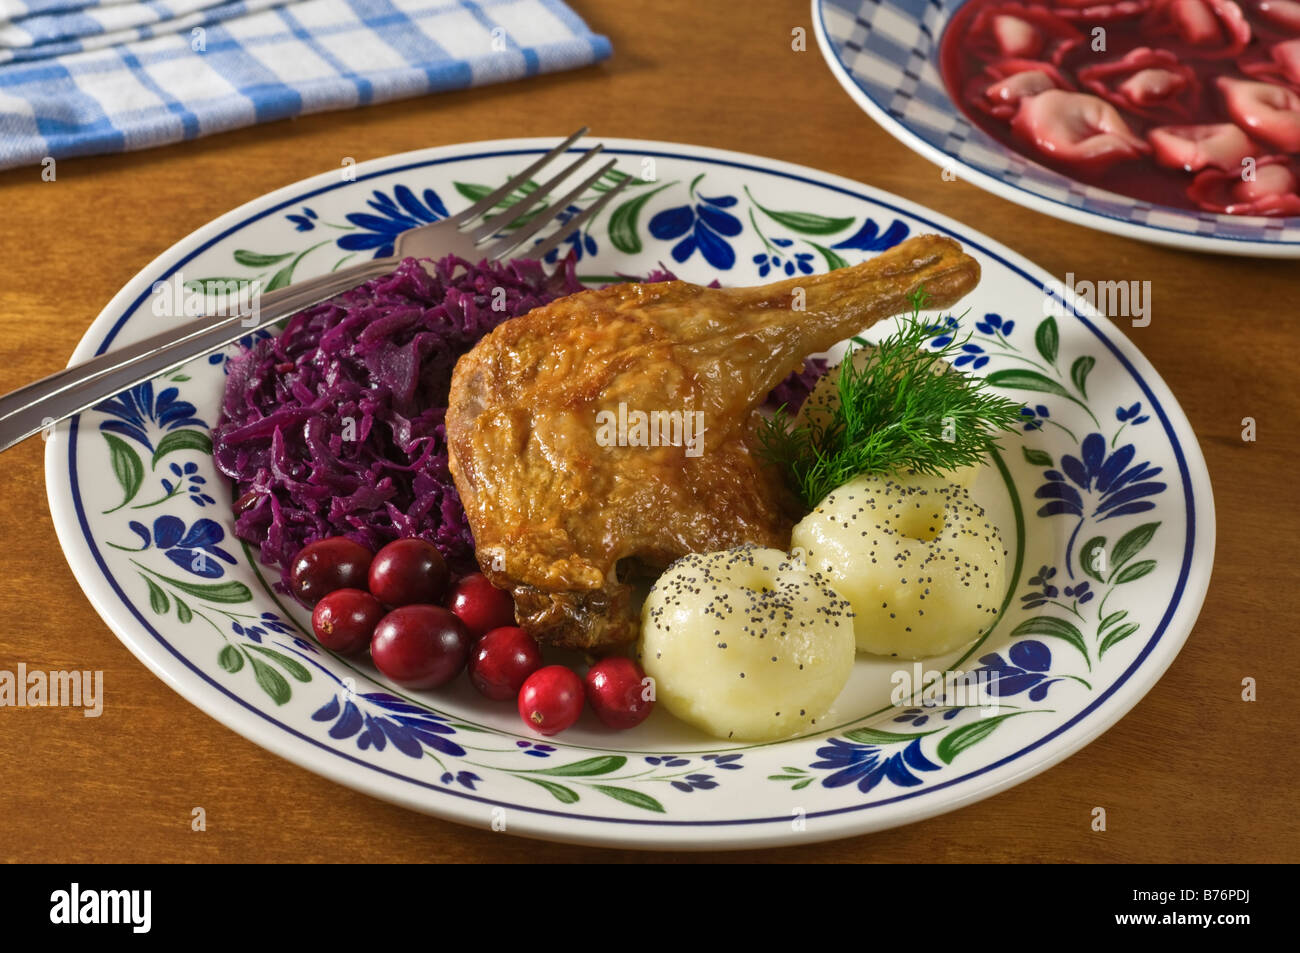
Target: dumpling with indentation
point(918, 559)
point(746, 645)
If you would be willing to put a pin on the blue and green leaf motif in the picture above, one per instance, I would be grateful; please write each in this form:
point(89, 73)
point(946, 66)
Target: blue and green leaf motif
point(1113, 484)
point(305, 220)
point(869, 237)
point(410, 728)
point(861, 757)
point(194, 550)
point(704, 225)
point(535, 749)
point(707, 224)
point(138, 414)
point(779, 257)
point(578, 244)
point(673, 770)
point(267, 675)
point(139, 411)
point(376, 231)
point(994, 325)
point(1027, 668)
point(866, 765)
point(266, 623)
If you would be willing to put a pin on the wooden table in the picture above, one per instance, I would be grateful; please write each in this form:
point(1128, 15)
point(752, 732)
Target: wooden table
point(1192, 774)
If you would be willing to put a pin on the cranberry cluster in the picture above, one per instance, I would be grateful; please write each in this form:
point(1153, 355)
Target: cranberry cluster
point(392, 602)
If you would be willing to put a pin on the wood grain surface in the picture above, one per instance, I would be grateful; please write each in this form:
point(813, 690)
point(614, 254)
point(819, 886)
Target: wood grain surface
point(1192, 774)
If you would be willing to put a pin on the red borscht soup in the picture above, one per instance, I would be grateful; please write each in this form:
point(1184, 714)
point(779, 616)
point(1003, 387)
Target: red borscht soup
point(1188, 103)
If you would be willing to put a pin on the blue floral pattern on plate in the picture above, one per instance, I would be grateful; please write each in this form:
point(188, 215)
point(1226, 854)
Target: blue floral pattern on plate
point(706, 226)
point(139, 411)
point(376, 231)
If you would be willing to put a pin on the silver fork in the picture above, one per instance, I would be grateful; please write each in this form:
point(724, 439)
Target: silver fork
point(78, 388)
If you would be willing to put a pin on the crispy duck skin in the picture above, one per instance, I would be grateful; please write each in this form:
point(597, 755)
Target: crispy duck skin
point(560, 518)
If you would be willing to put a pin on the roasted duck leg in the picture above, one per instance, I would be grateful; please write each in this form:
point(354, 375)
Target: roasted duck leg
point(612, 431)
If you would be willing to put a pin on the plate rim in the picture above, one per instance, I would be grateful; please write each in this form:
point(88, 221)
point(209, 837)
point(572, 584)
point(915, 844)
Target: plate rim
point(1054, 208)
point(264, 729)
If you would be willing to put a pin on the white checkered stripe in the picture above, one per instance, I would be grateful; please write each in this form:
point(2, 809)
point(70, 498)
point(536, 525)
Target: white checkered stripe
point(59, 33)
point(891, 48)
point(288, 59)
point(16, 9)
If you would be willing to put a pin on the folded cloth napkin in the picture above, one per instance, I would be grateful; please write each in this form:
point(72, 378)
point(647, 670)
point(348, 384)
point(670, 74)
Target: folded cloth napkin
point(288, 60)
point(109, 22)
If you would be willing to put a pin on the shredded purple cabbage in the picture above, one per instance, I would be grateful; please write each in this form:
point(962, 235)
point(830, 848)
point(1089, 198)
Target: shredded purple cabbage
point(794, 390)
point(335, 426)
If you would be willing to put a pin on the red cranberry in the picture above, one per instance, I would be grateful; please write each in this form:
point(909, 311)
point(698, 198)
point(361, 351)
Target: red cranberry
point(345, 619)
point(615, 689)
point(481, 605)
point(408, 571)
point(420, 646)
point(326, 565)
point(502, 660)
point(551, 699)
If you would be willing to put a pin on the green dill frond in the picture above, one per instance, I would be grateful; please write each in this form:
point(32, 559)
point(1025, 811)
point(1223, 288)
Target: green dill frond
point(903, 410)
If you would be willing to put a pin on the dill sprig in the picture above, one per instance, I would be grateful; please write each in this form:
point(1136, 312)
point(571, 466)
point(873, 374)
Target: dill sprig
point(903, 410)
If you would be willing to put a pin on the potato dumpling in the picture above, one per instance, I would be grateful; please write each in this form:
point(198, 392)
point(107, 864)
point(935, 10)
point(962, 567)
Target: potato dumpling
point(824, 399)
point(744, 645)
point(921, 564)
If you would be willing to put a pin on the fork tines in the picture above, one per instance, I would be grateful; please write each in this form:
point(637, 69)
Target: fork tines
point(524, 215)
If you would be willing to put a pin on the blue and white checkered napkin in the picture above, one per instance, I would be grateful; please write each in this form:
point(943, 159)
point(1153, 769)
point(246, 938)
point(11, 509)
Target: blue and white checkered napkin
point(206, 66)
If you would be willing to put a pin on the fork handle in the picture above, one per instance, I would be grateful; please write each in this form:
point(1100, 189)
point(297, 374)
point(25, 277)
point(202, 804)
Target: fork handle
point(77, 388)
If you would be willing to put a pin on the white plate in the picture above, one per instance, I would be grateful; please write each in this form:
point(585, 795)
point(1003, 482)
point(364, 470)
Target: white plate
point(238, 652)
point(885, 55)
